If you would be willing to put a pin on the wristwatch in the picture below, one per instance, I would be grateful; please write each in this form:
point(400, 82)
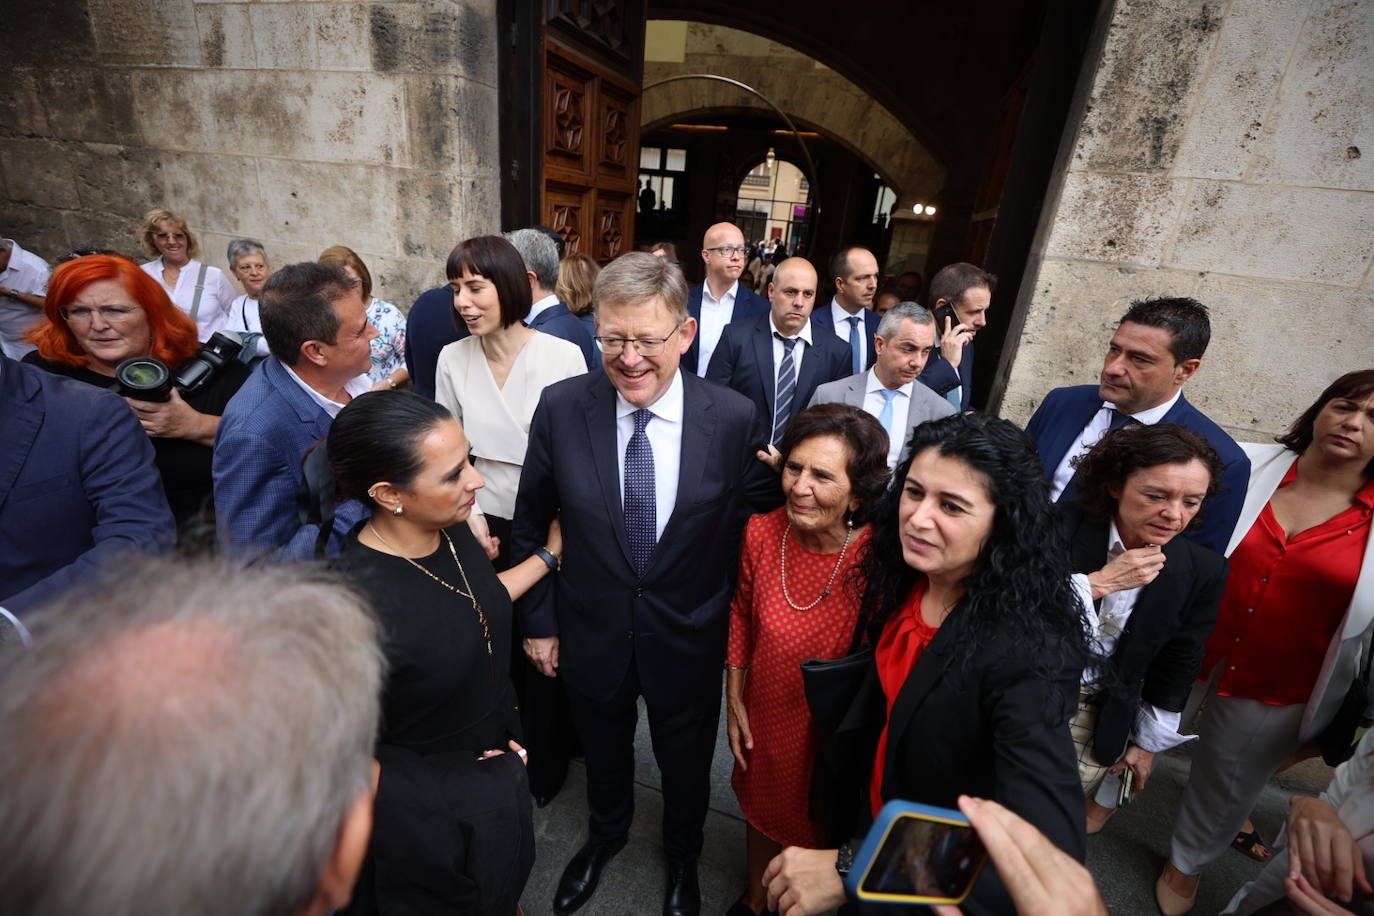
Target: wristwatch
point(549, 559)
point(845, 859)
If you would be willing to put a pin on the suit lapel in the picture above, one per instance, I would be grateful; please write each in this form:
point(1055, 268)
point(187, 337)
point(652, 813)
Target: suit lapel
point(763, 352)
point(931, 666)
point(698, 433)
point(1061, 434)
point(601, 435)
point(301, 403)
point(19, 424)
point(854, 393)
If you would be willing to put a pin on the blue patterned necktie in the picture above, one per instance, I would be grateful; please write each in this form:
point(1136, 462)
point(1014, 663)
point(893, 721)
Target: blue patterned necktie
point(786, 389)
point(856, 352)
point(641, 502)
point(885, 417)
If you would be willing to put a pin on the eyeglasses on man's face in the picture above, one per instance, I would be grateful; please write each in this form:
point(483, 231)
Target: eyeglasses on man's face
point(644, 346)
point(729, 251)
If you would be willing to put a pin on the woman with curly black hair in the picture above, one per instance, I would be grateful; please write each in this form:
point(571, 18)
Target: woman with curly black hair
point(979, 644)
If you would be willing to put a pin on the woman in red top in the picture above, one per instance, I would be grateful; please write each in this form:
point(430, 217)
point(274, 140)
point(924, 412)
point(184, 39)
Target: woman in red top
point(1294, 622)
point(979, 647)
point(797, 598)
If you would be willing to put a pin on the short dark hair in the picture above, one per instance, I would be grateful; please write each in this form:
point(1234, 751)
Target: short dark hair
point(951, 282)
point(496, 259)
point(839, 264)
point(377, 437)
point(1352, 385)
point(862, 434)
point(1122, 452)
point(298, 305)
point(1185, 319)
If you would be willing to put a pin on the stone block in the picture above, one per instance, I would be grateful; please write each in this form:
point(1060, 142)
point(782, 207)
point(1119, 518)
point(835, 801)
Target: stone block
point(401, 280)
point(120, 180)
point(85, 103)
point(214, 192)
point(451, 124)
point(435, 37)
point(328, 117)
point(88, 229)
point(41, 33)
point(1246, 66)
point(37, 229)
point(1320, 132)
point(1114, 217)
point(342, 37)
point(1300, 234)
point(21, 106)
point(226, 35)
point(158, 33)
point(284, 36)
point(335, 203)
point(1155, 55)
point(38, 172)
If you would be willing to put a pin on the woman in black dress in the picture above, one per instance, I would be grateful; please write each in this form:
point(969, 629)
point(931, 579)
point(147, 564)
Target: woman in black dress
point(453, 830)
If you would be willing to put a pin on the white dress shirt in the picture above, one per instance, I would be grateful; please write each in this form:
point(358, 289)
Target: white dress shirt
point(1093, 433)
point(901, 408)
point(840, 318)
point(804, 335)
point(355, 386)
point(547, 302)
point(215, 299)
point(665, 439)
point(715, 315)
point(26, 273)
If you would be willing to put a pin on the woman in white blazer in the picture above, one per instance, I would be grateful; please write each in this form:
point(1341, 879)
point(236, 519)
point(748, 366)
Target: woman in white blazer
point(1294, 624)
point(491, 381)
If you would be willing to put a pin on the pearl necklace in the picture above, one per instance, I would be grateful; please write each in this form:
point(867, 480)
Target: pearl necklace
point(476, 605)
point(825, 593)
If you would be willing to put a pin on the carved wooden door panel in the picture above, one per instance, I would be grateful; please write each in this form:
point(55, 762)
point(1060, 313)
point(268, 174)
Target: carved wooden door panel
point(591, 152)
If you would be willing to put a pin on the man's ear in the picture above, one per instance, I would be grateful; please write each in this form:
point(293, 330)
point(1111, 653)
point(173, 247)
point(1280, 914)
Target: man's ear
point(313, 352)
point(341, 869)
point(1184, 370)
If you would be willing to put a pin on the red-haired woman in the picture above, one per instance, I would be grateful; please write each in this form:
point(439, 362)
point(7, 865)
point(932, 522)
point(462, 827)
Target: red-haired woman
point(102, 310)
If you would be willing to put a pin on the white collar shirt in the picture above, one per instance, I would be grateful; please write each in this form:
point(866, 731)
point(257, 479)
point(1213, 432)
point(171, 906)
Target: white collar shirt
point(546, 303)
point(354, 387)
point(216, 297)
point(1093, 433)
point(665, 441)
point(26, 273)
point(874, 399)
point(798, 351)
point(245, 315)
point(715, 315)
point(840, 319)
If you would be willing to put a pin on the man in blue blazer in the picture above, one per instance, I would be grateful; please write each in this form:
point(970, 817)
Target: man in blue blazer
point(652, 472)
point(754, 352)
point(77, 485)
point(316, 326)
point(966, 290)
point(1157, 347)
point(548, 314)
point(722, 298)
point(849, 315)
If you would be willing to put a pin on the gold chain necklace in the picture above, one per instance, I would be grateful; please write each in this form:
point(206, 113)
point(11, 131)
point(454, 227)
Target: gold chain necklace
point(476, 605)
point(825, 593)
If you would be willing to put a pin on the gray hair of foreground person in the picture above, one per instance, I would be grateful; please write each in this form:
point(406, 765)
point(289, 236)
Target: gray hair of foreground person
point(190, 738)
point(637, 277)
point(903, 311)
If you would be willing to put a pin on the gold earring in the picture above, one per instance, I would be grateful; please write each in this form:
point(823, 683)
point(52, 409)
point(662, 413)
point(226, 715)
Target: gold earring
point(396, 511)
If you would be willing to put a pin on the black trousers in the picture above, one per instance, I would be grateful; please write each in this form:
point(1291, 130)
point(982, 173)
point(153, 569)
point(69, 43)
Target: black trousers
point(684, 740)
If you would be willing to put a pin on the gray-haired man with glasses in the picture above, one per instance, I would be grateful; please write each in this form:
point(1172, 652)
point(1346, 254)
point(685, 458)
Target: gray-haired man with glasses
point(722, 298)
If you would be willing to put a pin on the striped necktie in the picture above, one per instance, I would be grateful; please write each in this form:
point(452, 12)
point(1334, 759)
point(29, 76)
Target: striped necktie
point(786, 388)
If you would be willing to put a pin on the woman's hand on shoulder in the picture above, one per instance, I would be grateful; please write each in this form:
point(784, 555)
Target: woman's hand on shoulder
point(175, 419)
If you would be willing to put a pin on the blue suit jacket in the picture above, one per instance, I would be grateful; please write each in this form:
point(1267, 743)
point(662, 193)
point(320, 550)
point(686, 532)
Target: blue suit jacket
point(1065, 411)
point(77, 484)
point(821, 320)
point(672, 622)
point(558, 321)
point(747, 304)
point(940, 377)
point(263, 437)
point(429, 328)
point(743, 360)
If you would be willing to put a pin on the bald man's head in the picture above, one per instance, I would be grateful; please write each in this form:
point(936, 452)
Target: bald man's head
point(723, 267)
point(793, 295)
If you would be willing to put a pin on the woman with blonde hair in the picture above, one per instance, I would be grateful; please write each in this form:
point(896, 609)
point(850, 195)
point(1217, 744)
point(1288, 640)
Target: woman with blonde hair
point(576, 277)
point(195, 287)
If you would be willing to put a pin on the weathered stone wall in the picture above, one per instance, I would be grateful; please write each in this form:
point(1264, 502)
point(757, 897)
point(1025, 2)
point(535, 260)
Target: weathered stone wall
point(1224, 153)
point(302, 124)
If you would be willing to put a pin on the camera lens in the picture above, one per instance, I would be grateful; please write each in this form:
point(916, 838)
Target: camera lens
point(144, 378)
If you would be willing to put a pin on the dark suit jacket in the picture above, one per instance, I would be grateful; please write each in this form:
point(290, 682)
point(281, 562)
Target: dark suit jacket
point(1159, 653)
point(743, 360)
point(821, 320)
point(263, 437)
point(77, 485)
point(429, 328)
point(747, 304)
point(1065, 411)
point(558, 321)
point(672, 622)
point(939, 376)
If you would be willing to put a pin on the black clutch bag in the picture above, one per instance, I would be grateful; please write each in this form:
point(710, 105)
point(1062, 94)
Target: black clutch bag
point(848, 712)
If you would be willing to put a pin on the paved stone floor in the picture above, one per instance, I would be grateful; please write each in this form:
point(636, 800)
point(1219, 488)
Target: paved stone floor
point(1125, 858)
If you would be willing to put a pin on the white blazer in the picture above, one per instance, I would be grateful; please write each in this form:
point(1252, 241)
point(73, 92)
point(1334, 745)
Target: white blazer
point(497, 420)
point(1268, 464)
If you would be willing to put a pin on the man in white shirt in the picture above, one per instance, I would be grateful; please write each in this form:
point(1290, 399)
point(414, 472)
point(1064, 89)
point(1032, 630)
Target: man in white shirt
point(850, 315)
point(23, 284)
point(889, 391)
point(722, 298)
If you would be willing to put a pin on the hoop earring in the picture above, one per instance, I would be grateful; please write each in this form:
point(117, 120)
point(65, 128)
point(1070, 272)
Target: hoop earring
point(372, 494)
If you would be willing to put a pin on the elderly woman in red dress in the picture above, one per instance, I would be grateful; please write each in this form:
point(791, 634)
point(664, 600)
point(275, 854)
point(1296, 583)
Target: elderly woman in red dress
point(797, 598)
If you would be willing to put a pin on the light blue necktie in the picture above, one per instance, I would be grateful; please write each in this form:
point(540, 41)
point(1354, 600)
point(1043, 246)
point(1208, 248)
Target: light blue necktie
point(856, 352)
point(641, 496)
point(885, 417)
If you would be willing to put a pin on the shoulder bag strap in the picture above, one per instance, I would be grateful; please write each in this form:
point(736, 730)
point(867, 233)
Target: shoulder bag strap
point(200, 288)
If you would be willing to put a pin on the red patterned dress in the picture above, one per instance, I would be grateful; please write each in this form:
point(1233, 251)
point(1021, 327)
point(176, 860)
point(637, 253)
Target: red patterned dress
point(772, 639)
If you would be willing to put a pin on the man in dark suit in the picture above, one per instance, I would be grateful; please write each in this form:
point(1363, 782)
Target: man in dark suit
point(77, 485)
point(850, 315)
point(429, 328)
point(776, 360)
point(316, 326)
point(959, 295)
point(722, 298)
point(649, 469)
point(548, 314)
point(1157, 347)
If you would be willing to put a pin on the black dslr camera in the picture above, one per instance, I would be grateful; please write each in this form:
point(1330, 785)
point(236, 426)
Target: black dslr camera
point(144, 378)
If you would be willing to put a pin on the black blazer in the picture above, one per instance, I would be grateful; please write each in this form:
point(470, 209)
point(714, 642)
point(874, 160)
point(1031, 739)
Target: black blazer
point(747, 304)
point(1159, 653)
point(672, 623)
point(743, 360)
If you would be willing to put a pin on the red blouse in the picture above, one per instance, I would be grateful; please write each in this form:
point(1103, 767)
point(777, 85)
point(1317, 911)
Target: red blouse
point(1284, 600)
point(904, 639)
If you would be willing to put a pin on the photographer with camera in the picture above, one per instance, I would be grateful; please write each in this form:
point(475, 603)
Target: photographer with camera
point(103, 311)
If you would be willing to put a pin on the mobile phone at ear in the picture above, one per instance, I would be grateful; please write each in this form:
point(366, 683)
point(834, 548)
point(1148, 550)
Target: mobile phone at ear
point(945, 318)
point(917, 854)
